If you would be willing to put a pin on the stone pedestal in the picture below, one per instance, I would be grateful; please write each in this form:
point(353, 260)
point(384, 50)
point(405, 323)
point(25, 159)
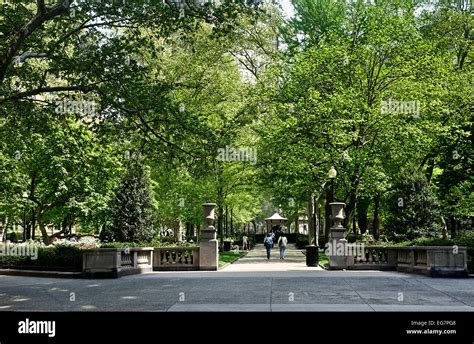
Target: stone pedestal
point(338, 243)
point(208, 243)
point(338, 259)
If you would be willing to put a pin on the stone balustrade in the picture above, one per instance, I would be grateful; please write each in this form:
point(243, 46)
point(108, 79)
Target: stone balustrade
point(375, 258)
point(428, 260)
point(176, 258)
point(116, 262)
point(433, 261)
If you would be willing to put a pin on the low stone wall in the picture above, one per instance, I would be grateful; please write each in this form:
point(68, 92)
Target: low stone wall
point(176, 258)
point(434, 261)
point(116, 262)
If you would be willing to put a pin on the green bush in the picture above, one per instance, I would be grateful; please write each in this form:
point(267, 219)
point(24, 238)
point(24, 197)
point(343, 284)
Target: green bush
point(412, 210)
point(146, 244)
point(302, 240)
point(467, 239)
point(12, 236)
point(49, 258)
point(431, 242)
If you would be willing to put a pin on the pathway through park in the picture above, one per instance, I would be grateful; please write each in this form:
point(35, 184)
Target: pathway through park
point(250, 284)
point(256, 260)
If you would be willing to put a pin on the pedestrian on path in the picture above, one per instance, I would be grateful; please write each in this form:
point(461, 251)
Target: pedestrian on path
point(268, 243)
point(282, 242)
point(245, 242)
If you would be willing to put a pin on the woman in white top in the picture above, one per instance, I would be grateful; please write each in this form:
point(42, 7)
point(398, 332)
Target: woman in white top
point(282, 242)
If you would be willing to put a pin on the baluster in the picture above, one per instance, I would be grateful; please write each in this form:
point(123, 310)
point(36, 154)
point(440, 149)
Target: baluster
point(385, 257)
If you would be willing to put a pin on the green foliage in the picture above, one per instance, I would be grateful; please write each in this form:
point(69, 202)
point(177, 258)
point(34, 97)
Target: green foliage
point(467, 239)
point(412, 210)
point(302, 241)
point(154, 243)
point(132, 207)
point(49, 258)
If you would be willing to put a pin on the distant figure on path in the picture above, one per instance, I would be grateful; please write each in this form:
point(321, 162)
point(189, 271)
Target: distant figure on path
point(245, 242)
point(268, 243)
point(282, 242)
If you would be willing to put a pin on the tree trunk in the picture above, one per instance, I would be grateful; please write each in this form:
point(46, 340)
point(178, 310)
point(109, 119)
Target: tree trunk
point(362, 218)
point(311, 238)
point(226, 221)
point(351, 205)
point(327, 215)
point(33, 223)
point(429, 170)
point(220, 217)
point(44, 233)
point(445, 228)
point(376, 224)
point(350, 209)
point(452, 220)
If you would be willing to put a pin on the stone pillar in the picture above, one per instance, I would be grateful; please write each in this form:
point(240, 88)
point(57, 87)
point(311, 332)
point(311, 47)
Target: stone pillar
point(338, 258)
point(208, 243)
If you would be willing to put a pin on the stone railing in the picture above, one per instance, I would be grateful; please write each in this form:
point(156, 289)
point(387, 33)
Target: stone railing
point(374, 258)
point(176, 258)
point(116, 262)
point(428, 260)
point(433, 260)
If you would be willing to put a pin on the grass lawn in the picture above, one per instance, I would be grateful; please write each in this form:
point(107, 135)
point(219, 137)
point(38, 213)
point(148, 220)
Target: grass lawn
point(323, 259)
point(228, 257)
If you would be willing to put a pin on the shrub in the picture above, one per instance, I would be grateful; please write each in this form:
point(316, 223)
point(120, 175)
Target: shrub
point(147, 244)
point(58, 257)
point(12, 236)
point(467, 239)
point(133, 205)
point(431, 242)
point(302, 240)
point(413, 210)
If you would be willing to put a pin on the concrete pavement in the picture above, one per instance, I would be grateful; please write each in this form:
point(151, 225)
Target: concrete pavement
point(256, 260)
point(251, 284)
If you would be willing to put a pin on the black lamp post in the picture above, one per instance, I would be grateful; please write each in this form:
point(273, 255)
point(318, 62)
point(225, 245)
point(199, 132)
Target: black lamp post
point(332, 175)
point(25, 200)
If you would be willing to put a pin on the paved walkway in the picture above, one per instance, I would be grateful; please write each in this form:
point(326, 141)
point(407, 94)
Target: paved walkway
point(256, 260)
point(251, 284)
point(240, 291)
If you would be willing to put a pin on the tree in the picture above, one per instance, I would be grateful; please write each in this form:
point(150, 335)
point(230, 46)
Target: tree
point(132, 208)
point(412, 210)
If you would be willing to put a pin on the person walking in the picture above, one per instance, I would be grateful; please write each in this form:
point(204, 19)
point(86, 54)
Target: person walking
point(282, 242)
point(245, 242)
point(268, 243)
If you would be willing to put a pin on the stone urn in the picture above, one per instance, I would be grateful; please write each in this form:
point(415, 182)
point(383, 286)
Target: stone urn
point(337, 211)
point(209, 213)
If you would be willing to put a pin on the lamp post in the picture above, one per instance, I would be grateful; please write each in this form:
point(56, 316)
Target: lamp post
point(25, 200)
point(332, 174)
